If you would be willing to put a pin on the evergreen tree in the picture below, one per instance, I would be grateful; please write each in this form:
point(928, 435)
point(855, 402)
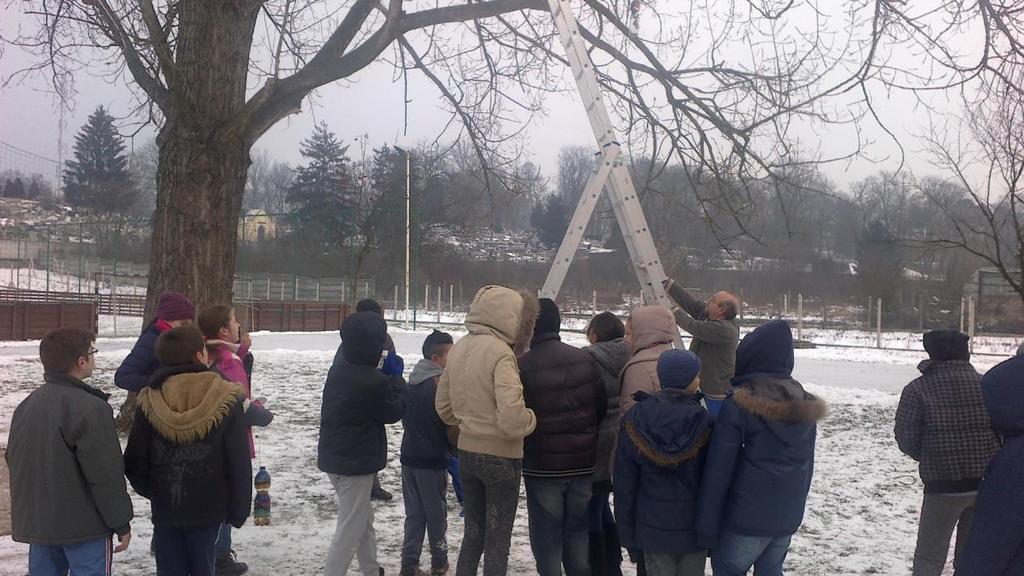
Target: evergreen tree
point(551, 219)
point(97, 178)
point(14, 188)
point(324, 192)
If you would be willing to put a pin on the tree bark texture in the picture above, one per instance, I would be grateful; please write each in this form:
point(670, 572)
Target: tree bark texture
point(204, 157)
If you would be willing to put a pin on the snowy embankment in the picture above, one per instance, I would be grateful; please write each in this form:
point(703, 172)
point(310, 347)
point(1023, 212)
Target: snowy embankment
point(861, 515)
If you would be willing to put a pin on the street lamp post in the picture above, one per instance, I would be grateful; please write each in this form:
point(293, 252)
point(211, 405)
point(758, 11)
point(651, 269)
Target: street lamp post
point(408, 228)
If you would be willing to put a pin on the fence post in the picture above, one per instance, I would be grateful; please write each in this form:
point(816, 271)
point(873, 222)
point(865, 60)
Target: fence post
point(785, 304)
point(47, 258)
point(870, 308)
point(268, 287)
point(250, 291)
point(366, 288)
point(593, 302)
point(344, 291)
point(971, 320)
point(963, 312)
point(426, 296)
point(282, 290)
point(451, 298)
point(395, 307)
point(440, 289)
point(318, 291)
point(31, 271)
point(878, 310)
point(113, 295)
point(296, 294)
point(800, 316)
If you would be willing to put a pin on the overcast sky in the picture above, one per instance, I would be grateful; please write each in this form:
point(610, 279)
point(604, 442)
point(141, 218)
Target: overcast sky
point(371, 103)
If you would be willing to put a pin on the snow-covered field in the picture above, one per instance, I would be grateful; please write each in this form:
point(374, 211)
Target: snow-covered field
point(861, 515)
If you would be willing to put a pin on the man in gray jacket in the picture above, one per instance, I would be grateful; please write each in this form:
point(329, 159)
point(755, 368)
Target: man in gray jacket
point(68, 492)
point(715, 336)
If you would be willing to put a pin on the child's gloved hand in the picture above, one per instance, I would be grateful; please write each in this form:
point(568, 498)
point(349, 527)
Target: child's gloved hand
point(393, 365)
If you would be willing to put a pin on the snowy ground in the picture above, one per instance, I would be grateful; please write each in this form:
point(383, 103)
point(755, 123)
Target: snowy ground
point(861, 515)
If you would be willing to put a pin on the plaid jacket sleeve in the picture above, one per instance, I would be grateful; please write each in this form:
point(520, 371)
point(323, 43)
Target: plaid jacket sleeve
point(910, 421)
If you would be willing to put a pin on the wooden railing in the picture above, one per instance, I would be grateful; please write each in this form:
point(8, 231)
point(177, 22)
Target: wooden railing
point(120, 304)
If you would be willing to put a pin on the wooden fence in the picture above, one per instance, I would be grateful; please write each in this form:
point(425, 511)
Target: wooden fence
point(120, 304)
point(291, 316)
point(32, 320)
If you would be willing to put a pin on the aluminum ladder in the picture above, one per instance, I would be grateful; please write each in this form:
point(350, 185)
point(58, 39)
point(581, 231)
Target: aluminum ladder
point(610, 174)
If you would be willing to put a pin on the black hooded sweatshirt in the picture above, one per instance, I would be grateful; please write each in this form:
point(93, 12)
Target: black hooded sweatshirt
point(358, 401)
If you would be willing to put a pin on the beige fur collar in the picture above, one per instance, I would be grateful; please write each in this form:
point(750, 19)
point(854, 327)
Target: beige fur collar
point(188, 406)
point(780, 401)
point(659, 458)
point(526, 322)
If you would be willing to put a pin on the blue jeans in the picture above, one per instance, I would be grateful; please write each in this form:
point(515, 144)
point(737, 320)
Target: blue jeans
point(92, 558)
point(224, 540)
point(714, 406)
point(181, 552)
point(453, 471)
point(559, 521)
point(736, 553)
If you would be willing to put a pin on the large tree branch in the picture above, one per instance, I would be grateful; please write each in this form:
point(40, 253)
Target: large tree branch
point(149, 83)
point(335, 61)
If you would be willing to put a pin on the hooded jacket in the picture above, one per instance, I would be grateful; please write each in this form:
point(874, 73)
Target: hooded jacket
point(662, 446)
point(564, 389)
point(652, 329)
point(187, 452)
point(942, 423)
point(358, 401)
point(480, 390)
point(714, 341)
point(67, 475)
point(761, 458)
point(996, 544)
point(611, 357)
point(425, 437)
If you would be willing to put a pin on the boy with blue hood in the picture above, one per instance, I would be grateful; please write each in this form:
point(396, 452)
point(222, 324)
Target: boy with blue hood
point(424, 456)
point(358, 401)
point(759, 466)
point(996, 543)
point(661, 451)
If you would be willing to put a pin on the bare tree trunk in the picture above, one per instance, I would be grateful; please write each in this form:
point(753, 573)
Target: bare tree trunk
point(203, 162)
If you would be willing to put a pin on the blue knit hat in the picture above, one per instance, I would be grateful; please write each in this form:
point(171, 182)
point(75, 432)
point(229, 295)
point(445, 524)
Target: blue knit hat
point(677, 368)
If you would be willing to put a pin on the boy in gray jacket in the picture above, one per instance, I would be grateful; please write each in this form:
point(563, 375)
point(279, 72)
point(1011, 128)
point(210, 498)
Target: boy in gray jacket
point(68, 493)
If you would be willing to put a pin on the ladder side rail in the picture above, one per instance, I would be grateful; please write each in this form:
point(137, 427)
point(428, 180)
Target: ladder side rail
point(578, 224)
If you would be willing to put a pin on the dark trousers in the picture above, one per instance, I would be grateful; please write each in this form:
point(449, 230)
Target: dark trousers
point(185, 552)
point(491, 488)
point(453, 471)
point(605, 552)
point(559, 523)
point(426, 512)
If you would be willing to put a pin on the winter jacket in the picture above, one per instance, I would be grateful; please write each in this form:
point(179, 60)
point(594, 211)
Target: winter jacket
point(227, 361)
point(425, 439)
point(942, 423)
point(139, 366)
point(563, 387)
point(358, 400)
point(761, 458)
point(714, 341)
point(611, 357)
point(480, 390)
point(996, 544)
point(662, 446)
point(67, 476)
point(187, 450)
point(653, 331)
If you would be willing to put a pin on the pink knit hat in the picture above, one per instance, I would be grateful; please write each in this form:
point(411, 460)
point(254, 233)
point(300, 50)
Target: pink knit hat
point(175, 306)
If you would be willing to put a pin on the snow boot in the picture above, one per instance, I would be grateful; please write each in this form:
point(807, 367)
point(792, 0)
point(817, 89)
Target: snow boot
point(228, 566)
point(381, 494)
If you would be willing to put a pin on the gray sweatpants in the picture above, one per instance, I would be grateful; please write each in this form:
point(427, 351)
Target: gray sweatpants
point(676, 564)
point(426, 510)
point(354, 535)
point(940, 513)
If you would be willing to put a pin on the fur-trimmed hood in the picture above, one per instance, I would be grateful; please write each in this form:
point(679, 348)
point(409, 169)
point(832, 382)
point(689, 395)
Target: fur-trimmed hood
point(505, 313)
point(668, 428)
point(187, 402)
point(781, 403)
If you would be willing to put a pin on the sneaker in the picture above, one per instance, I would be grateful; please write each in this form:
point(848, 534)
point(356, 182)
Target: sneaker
point(439, 570)
point(381, 494)
point(411, 571)
point(228, 566)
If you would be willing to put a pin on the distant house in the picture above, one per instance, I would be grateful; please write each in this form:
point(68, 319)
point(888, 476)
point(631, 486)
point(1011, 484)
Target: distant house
point(257, 226)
